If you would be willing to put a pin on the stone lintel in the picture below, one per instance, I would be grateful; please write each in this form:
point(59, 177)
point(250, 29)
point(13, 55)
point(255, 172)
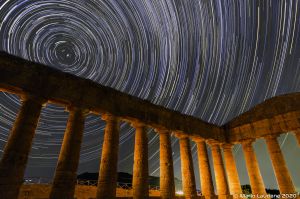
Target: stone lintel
point(277, 115)
point(20, 76)
point(274, 124)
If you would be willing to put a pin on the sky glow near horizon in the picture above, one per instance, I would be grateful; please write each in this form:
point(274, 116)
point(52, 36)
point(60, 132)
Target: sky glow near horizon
point(210, 59)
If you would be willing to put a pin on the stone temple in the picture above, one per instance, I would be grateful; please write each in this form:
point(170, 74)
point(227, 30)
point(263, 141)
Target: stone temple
point(37, 85)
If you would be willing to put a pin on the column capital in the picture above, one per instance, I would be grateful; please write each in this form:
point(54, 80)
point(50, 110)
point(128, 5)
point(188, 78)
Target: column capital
point(162, 131)
point(227, 145)
point(137, 124)
point(198, 139)
point(180, 135)
point(38, 99)
point(76, 108)
point(247, 142)
point(109, 117)
point(213, 142)
point(297, 131)
point(271, 136)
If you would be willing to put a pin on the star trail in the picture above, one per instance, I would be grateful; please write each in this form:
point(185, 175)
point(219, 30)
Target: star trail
point(210, 59)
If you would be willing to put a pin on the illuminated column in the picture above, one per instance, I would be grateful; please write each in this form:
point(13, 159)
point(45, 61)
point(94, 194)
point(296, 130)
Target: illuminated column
point(66, 171)
point(107, 180)
point(232, 174)
point(18, 146)
point(167, 185)
point(282, 174)
point(256, 181)
point(220, 175)
point(140, 165)
point(187, 168)
point(207, 187)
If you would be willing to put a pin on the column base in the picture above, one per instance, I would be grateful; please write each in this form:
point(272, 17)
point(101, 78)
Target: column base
point(225, 197)
point(183, 197)
point(210, 197)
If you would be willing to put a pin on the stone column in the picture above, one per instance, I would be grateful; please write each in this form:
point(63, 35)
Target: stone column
point(282, 174)
point(167, 185)
point(66, 171)
point(107, 180)
point(232, 174)
point(220, 175)
point(18, 146)
point(187, 168)
point(256, 181)
point(207, 187)
point(140, 166)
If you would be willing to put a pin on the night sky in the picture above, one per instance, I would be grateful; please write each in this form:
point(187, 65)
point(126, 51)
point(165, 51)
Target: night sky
point(213, 59)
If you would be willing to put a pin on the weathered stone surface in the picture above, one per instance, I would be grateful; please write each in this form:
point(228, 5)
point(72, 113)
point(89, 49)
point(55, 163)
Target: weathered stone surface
point(220, 174)
point(66, 170)
point(18, 146)
point(167, 185)
point(274, 116)
point(107, 180)
point(256, 181)
point(41, 191)
point(207, 187)
point(282, 174)
point(140, 166)
point(187, 169)
point(17, 76)
point(232, 173)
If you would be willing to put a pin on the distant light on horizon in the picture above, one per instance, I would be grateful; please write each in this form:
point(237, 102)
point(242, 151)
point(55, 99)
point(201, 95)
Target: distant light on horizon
point(179, 193)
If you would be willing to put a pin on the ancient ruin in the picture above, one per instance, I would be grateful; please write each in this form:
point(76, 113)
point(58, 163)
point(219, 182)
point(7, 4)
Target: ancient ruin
point(37, 85)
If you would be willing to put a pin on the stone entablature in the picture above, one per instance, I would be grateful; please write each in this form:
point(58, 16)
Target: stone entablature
point(274, 116)
point(22, 77)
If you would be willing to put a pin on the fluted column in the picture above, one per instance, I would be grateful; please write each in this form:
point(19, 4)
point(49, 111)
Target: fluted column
point(207, 187)
point(18, 146)
point(107, 180)
point(66, 171)
point(167, 185)
point(256, 181)
point(232, 174)
point(140, 166)
point(220, 175)
point(187, 168)
point(282, 174)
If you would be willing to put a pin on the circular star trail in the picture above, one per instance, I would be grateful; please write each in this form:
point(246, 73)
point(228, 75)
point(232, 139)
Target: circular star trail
point(210, 59)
